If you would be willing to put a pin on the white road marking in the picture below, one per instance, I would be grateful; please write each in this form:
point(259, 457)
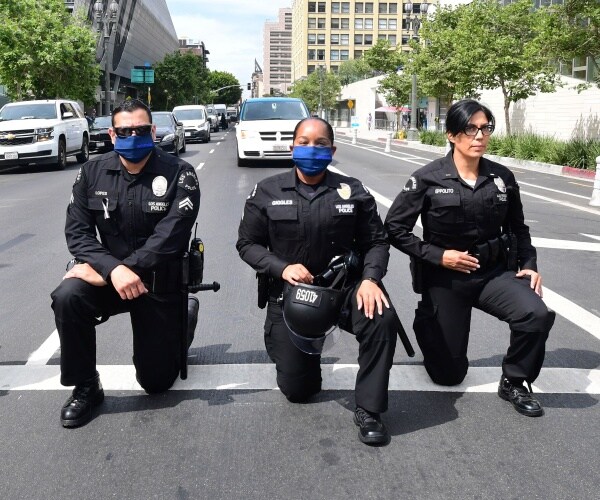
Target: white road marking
point(409, 160)
point(335, 377)
point(41, 355)
point(218, 143)
point(211, 151)
point(199, 167)
point(567, 309)
point(594, 237)
point(554, 190)
point(563, 203)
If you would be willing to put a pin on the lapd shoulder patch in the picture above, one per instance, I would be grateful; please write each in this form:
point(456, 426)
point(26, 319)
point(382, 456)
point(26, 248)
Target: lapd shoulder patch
point(411, 184)
point(253, 193)
point(188, 181)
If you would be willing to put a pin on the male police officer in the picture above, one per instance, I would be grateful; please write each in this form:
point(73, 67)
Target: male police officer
point(293, 224)
point(143, 203)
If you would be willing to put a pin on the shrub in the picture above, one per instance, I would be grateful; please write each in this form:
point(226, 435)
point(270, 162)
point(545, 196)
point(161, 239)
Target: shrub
point(433, 137)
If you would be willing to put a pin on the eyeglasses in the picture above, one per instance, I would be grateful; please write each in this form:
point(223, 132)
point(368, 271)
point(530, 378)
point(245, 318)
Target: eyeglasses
point(127, 131)
point(472, 130)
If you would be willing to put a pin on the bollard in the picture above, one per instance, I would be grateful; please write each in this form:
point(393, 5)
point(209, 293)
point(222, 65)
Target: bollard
point(595, 199)
point(388, 143)
point(354, 132)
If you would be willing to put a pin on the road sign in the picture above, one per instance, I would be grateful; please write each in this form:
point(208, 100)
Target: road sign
point(142, 74)
point(350, 103)
point(355, 123)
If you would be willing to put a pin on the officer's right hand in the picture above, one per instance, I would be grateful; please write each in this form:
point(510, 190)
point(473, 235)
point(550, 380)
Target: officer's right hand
point(297, 273)
point(127, 283)
point(86, 273)
point(459, 261)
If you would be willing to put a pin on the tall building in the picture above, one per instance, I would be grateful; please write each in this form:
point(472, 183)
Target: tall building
point(328, 33)
point(277, 53)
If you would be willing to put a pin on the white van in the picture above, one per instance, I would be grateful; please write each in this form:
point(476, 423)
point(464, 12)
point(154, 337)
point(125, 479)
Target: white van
point(195, 121)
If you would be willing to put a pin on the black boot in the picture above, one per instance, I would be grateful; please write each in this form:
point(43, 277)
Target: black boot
point(371, 428)
point(520, 397)
point(78, 408)
point(193, 306)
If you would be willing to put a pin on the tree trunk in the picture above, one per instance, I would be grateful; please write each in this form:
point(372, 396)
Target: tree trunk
point(506, 109)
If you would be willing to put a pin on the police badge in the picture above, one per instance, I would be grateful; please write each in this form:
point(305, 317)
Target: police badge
point(500, 184)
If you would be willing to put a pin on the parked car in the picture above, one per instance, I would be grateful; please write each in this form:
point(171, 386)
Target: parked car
point(214, 118)
point(170, 135)
point(266, 126)
point(195, 122)
point(100, 141)
point(43, 132)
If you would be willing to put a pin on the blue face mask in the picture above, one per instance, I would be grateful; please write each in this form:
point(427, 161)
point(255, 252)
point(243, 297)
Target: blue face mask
point(135, 147)
point(312, 160)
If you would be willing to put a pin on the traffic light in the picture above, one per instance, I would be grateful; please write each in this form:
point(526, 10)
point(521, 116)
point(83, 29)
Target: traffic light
point(249, 86)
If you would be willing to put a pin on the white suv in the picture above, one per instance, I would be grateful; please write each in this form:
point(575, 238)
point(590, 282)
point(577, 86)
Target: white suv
point(266, 126)
point(43, 132)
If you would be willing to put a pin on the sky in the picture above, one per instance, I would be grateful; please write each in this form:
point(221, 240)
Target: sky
point(232, 30)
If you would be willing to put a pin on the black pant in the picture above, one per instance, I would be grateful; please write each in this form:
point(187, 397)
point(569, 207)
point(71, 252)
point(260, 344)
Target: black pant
point(299, 374)
point(156, 321)
point(443, 318)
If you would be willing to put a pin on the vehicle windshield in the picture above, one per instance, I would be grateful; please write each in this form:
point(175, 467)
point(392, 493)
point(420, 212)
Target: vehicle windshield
point(162, 120)
point(28, 111)
point(274, 110)
point(189, 114)
point(101, 122)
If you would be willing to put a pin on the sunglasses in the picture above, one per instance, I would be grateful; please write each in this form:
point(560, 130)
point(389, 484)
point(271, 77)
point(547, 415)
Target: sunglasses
point(472, 130)
point(127, 131)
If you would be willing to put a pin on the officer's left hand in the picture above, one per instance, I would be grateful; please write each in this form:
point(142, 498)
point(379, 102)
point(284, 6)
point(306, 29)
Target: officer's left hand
point(536, 280)
point(86, 273)
point(368, 295)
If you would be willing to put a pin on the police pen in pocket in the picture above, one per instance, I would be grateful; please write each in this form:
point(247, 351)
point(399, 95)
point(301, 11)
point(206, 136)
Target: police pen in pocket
point(105, 206)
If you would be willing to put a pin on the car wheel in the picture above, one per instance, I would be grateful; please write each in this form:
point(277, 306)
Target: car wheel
point(183, 148)
point(85, 152)
point(176, 147)
point(208, 137)
point(241, 162)
point(62, 154)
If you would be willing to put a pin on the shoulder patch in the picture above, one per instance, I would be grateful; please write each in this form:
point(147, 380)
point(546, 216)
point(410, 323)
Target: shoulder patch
point(366, 189)
point(253, 193)
point(187, 180)
point(411, 184)
point(78, 178)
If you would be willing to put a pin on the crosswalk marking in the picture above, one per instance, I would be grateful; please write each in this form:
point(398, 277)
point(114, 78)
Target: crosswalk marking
point(335, 377)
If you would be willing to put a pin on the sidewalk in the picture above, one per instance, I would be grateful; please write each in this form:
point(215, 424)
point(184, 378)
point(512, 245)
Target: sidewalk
point(547, 168)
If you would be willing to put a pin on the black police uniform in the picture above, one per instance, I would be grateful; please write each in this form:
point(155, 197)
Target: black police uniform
point(144, 222)
point(457, 216)
point(286, 222)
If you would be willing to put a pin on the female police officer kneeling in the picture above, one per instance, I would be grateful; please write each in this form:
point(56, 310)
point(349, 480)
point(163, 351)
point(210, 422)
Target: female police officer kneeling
point(470, 209)
point(294, 223)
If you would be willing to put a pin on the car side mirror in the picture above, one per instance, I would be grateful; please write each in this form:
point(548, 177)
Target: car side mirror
point(180, 124)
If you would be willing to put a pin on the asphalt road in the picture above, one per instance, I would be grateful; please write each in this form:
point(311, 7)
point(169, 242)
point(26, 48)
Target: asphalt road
point(227, 433)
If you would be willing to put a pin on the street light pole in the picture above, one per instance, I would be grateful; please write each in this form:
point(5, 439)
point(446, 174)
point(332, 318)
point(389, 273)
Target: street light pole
point(415, 23)
point(105, 21)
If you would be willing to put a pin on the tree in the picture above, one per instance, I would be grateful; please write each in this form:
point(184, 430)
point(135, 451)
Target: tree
point(46, 52)
point(487, 45)
point(179, 79)
point(354, 70)
point(219, 79)
point(573, 31)
point(396, 87)
point(322, 87)
point(382, 57)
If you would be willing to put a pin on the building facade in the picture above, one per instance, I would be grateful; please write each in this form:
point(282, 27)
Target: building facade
point(277, 53)
point(327, 33)
point(143, 35)
point(195, 47)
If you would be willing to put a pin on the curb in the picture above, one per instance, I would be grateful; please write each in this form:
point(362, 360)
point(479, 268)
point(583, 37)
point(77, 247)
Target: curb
point(546, 168)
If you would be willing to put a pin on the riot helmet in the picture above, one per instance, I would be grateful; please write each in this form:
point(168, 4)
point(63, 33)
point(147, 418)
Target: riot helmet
point(311, 312)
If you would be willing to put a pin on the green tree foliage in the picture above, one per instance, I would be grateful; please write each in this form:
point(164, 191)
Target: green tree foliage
point(382, 57)
point(323, 86)
point(219, 79)
point(396, 87)
point(45, 52)
point(573, 31)
point(354, 70)
point(488, 45)
point(180, 79)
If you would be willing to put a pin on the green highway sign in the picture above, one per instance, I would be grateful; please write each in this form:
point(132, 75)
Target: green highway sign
point(142, 74)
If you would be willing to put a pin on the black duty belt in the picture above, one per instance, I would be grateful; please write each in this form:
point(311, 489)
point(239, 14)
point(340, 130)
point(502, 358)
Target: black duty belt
point(488, 253)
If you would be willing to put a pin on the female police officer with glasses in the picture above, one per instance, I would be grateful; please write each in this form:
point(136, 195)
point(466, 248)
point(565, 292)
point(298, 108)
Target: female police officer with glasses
point(472, 217)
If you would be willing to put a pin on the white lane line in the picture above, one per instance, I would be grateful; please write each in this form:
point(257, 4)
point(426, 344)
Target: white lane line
point(594, 237)
point(218, 143)
point(409, 160)
point(567, 309)
point(199, 167)
point(574, 313)
point(43, 353)
point(335, 377)
point(565, 244)
point(554, 190)
point(563, 203)
point(211, 151)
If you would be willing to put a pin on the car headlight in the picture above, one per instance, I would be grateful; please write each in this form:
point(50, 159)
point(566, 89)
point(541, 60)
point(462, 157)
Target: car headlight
point(44, 134)
point(249, 134)
point(168, 137)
